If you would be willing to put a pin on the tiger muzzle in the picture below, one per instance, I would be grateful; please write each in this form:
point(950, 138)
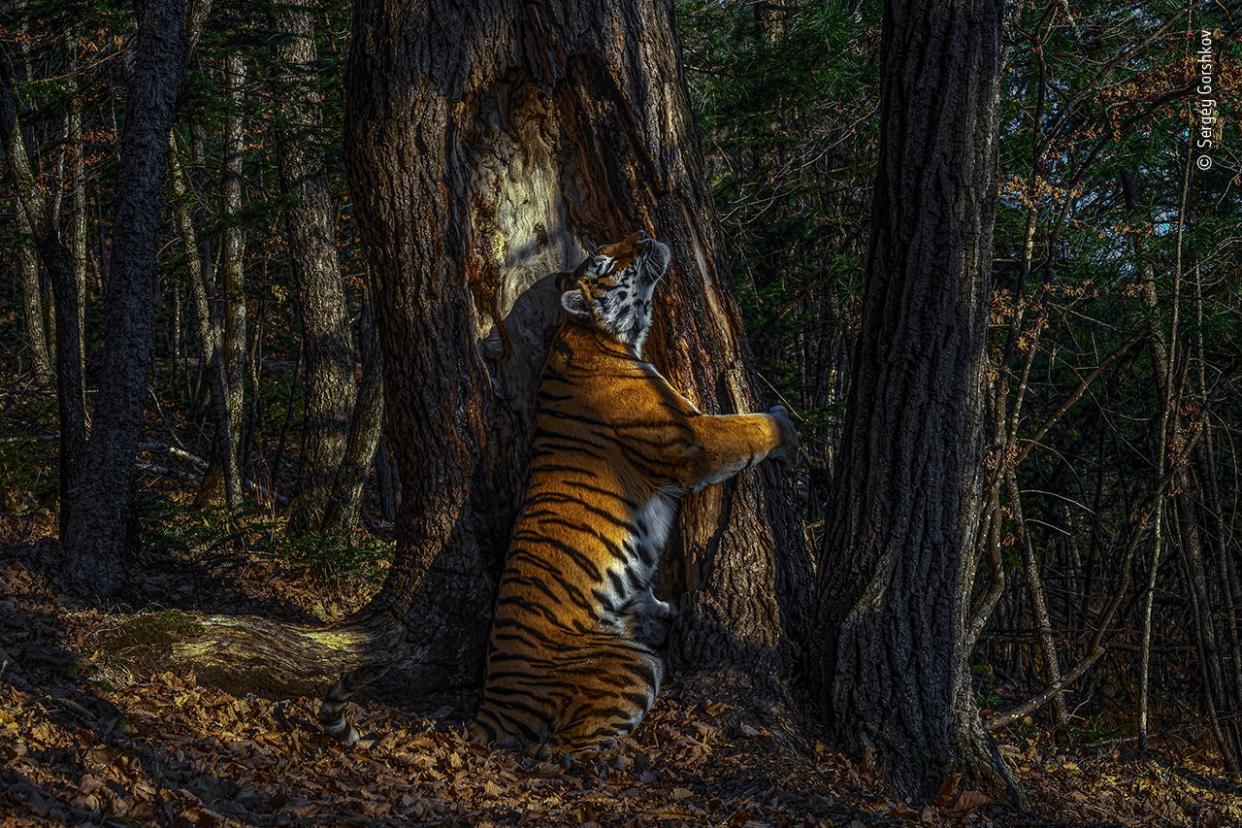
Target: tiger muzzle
point(655, 257)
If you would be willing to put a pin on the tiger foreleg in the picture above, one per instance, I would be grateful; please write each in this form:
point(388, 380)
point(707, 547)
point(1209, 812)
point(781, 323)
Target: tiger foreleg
point(726, 444)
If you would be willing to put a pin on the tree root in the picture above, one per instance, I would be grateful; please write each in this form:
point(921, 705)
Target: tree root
point(248, 654)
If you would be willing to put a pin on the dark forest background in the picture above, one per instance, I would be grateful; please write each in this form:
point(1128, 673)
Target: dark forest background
point(1107, 604)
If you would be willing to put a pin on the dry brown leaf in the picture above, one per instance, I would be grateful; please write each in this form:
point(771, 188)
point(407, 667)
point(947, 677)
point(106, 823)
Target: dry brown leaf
point(966, 802)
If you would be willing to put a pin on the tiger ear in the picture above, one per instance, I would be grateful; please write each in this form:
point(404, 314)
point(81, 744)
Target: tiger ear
point(576, 305)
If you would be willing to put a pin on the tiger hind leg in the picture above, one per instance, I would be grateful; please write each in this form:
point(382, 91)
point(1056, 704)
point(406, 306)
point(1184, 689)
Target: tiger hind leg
point(332, 710)
point(595, 734)
point(512, 720)
point(614, 710)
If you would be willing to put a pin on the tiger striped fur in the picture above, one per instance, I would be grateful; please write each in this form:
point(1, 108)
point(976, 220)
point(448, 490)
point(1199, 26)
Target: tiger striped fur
point(573, 661)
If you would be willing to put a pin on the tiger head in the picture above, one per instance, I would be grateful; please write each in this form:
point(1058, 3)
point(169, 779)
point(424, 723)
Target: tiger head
point(611, 290)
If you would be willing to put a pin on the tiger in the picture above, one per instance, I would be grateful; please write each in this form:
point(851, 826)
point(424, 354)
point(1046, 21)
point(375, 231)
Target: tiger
point(574, 659)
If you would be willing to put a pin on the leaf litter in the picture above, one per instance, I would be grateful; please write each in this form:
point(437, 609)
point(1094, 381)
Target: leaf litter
point(77, 745)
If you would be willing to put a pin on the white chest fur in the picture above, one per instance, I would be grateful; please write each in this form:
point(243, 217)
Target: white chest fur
point(629, 580)
point(654, 521)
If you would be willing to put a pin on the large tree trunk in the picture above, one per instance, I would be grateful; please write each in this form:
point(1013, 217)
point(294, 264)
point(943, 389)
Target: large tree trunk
point(897, 567)
point(96, 534)
point(555, 125)
point(310, 219)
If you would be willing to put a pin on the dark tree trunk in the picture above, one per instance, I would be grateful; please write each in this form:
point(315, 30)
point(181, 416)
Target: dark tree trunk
point(310, 219)
point(387, 477)
point(898, 565)
point(555, 124)
point(96, 534)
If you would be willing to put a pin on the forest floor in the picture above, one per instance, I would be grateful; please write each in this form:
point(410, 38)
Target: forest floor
point(83, 739)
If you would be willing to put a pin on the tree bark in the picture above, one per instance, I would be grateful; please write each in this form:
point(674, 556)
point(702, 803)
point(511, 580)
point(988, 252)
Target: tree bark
point(77, 220)
point(27, 265)
point(222, 480)
point(310, 219)
point(96, 534)
point(364, 430)
point(555, 125)
point(897, 566)
point(387, 477)
point(234, 251)
point(248, 654)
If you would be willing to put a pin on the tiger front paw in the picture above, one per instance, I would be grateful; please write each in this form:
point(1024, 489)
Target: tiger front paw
point(787, 452)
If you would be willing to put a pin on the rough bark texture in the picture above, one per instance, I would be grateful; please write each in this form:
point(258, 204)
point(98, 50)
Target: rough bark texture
point(364, 431)
point(486, 146)
point(387, 477)
point(897, 568)
point(310, 219)
point(27, 265)
point(234, 251)
point(96, 534)
point(247, 654)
